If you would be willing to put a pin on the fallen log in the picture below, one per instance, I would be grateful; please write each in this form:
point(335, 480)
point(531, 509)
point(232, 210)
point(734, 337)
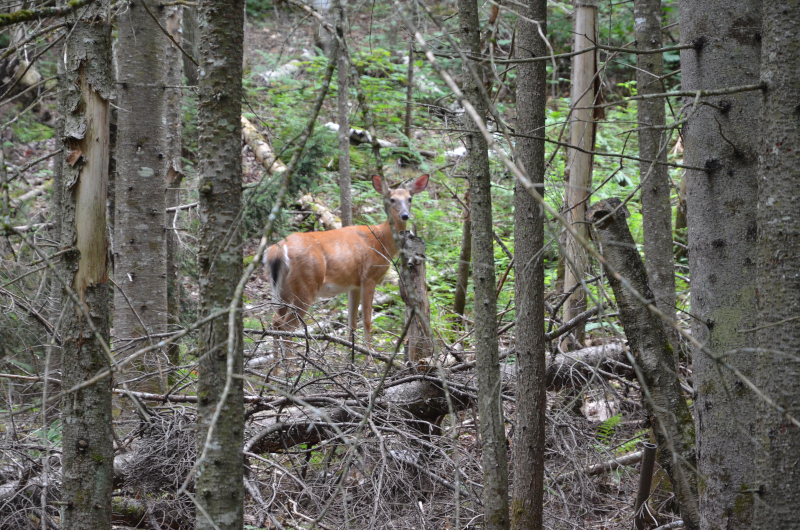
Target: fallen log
point(575, 368)
point(603, 467)
point(261, 149)
point(322, 212)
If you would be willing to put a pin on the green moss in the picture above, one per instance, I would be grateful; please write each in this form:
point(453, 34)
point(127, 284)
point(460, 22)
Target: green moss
point(743, 504)
point(18, 16)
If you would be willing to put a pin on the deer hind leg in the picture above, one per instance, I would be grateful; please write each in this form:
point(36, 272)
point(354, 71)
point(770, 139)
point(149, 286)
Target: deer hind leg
point(289, 316)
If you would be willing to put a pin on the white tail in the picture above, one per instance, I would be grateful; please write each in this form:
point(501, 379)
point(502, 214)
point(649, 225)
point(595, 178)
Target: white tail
point(311, 265)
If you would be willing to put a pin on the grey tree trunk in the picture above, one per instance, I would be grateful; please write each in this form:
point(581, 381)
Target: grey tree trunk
point(174, 141)
point(464, 259)
point(142, 154)
point(418, 343)
point(579, 165)
point(88, 454)
point(778, 297)
point(671, 421)
point(190, 42)
point(528, 495)
point(219, 485)
point(721, 220)
point(656, 209)
point(492, 429)
point(343, 67)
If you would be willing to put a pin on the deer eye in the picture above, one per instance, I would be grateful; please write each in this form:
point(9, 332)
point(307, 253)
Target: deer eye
point(409, 200)
point(391, 200)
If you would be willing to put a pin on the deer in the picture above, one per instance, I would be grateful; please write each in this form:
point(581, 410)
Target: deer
point(310, 265)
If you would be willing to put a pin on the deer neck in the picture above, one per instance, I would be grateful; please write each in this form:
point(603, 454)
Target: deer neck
point(384, 233)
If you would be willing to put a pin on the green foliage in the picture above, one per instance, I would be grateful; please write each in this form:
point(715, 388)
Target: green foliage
point(258, 9)
point(606, 432)
point(607, 429)
point(310, 171)
point(28, 130)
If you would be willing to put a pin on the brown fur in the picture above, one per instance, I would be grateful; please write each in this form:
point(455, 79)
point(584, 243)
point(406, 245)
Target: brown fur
point(352, 259)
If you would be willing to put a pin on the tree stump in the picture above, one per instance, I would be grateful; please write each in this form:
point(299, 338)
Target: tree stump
point(418, 344)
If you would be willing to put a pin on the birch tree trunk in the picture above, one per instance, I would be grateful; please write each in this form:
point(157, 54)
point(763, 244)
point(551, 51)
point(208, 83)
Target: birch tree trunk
point(656, 209)
point(219, 485)
point(88, 454)
point(579, 164)
point(778, 284)
point(528, 495)
point(140, 249)
point(491, 428)
point(722, 246)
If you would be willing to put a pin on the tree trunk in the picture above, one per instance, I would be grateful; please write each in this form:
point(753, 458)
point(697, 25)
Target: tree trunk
point(491, 429)
point(343, 67)
point(142, 154)
point(219, 487)
point(579, 164)
point(464, 259)
point(656, 209)
point(418, 344)
point(190, 36)
point(778, 285)
point(88, 454)
point(669, 414)
point(174, 142)
point(722, 245)
point(528, 495)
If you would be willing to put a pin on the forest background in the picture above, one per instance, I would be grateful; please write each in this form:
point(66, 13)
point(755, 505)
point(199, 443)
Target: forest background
point(572, 374)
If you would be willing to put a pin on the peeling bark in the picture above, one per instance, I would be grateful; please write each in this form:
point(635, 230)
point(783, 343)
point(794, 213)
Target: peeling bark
point(87, 438)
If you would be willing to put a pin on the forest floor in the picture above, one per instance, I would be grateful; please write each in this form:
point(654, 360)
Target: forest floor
point(600, 423)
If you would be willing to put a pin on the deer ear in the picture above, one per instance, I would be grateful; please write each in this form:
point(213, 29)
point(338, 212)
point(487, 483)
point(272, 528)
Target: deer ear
point(419, 185)
point(376, 183)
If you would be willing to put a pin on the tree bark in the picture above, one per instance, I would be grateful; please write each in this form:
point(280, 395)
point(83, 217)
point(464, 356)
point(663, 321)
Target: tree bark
point(142, 154)
point(663, 398)
point(579, 164)
point(778, 284)
point(656, 209)
point(173, 112)
point(722, 245)
point(492, 429)
point(88, 454)
point(343, 68)
point(464, 259)
point(219, 487)
point(190, 36)
point(418, 344)
point(527, 503)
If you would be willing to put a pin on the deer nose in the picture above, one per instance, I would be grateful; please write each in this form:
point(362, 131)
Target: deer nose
point(404, 216)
